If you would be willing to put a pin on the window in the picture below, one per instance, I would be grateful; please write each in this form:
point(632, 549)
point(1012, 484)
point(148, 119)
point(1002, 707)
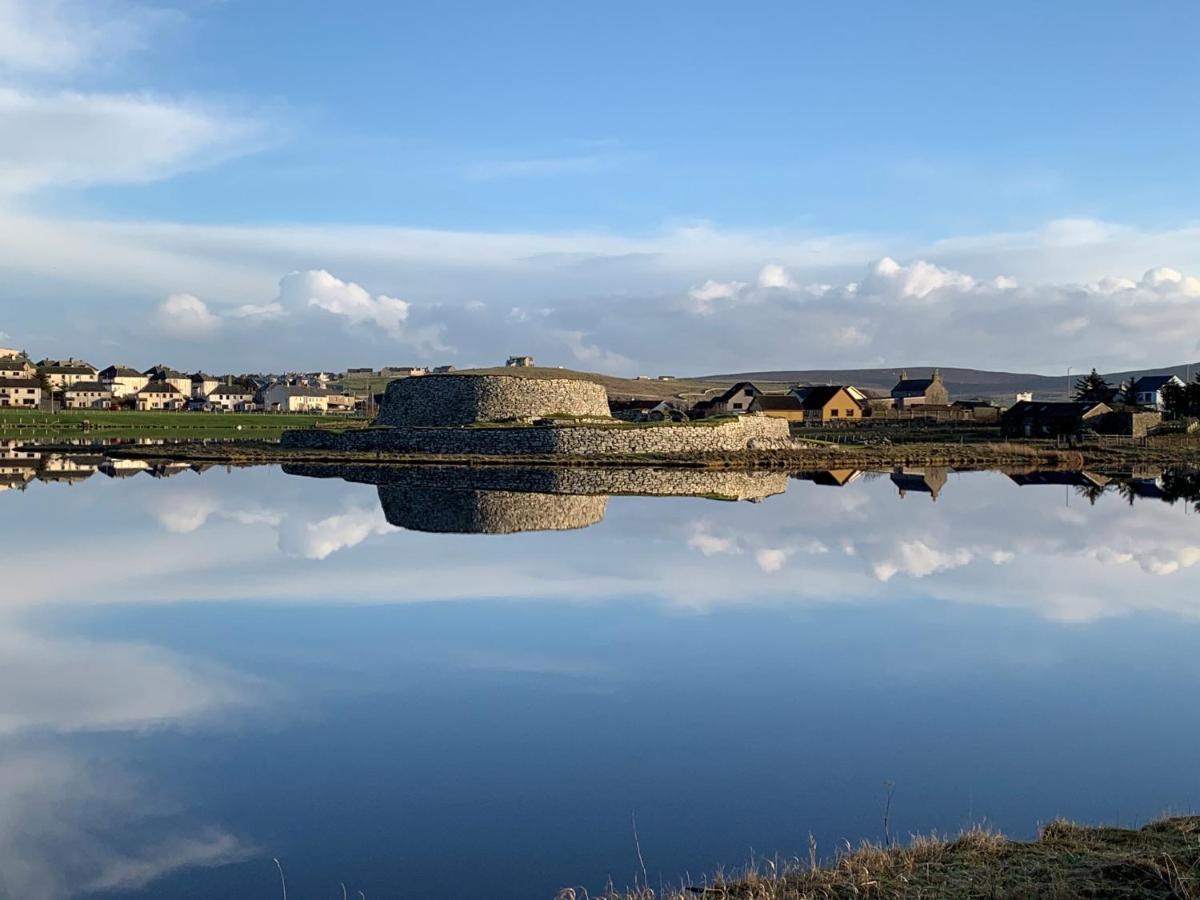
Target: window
point(737, 406)
point(834, 413)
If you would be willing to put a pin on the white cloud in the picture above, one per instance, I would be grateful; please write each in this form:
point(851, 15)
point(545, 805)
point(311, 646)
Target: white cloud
point(774, 276)
point(317, 289)
point(186, 316)
point(704, 299)
point(708, 543)
point(322, 538)
point(771, 559)
point(56, 36)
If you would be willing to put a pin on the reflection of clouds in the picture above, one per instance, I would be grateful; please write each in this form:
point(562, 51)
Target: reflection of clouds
point(319, 539)
point(986, 540)
point(69, 824)
point(188, 509)
point(65, 825)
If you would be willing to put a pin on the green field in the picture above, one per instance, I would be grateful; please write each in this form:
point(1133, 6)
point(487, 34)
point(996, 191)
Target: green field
point(16, 423)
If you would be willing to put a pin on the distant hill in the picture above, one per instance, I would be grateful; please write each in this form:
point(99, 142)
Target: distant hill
point(963, 383)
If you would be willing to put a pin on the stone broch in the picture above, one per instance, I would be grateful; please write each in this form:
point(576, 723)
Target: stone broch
point(434, 400)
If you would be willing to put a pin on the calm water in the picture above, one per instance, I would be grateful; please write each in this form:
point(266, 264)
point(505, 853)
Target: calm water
point(201, 672)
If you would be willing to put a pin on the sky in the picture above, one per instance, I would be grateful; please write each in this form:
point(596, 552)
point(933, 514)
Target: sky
point(632, 188)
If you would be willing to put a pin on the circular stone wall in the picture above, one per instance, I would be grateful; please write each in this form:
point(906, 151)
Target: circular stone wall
point(464, 399)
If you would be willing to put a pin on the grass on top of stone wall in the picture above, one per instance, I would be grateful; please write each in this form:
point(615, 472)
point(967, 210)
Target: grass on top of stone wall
point(564, 420)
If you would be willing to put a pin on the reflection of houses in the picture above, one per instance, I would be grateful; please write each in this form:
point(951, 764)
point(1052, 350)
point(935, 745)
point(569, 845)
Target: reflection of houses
point(910, 392)
point(58, 467)
point(25, 393)
point(923, 480)
point(1044, 418)
point(831, 477)
point(87, 395)
point(123, 468)
point(18, 466)
point(1059, 477)
point(167, 469)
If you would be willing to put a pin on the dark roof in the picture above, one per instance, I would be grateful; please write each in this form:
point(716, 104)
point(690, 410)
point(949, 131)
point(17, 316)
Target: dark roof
point(66, 368)
point(121, 372)
point(778, 401)
point(1148, 383)
point(163, 371)
point(1051, 408)
point(201, 376)
point(19, 382)
point(819, 395)
point(86, 386)
point(160, 387)
point(735, 390)
point(632, 404)
point(231, 389)
point(912, 386)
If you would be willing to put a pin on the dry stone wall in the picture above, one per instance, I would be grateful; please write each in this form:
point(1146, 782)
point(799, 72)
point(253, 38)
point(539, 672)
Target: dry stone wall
point(737, 435)
point(438, 400)
point(638, 480)
point(487, 512)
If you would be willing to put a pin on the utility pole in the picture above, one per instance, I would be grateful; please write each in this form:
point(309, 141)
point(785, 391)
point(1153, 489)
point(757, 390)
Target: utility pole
point(1069, 381)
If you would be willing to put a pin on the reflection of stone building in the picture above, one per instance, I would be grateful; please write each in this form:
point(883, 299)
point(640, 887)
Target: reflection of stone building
point(487, 512)
point(501, 500)
point(924, 480)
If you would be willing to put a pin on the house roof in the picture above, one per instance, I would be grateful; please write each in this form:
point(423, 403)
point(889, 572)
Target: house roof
point(67, 367)
point(779, 401)
point(735, 390)
point(1148, 383)
point(198, 377)
point(160, 387)
point(1052, 408)
point(19, 383)
point(295, 390)
point(231, 390)
point(818, 396)
point(912, 385)
point(84, 387)
point(121, 372)
point(632, 404)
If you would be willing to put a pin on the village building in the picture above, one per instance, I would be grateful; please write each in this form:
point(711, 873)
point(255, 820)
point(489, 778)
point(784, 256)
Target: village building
point(66, 372)
point(402, 371)
point(976, 410)
point(123, 381)
point(912, 392)
point(203, 385)
point(16, 365)
point(1045, 418)
point(231, 398)
point(162, 374)
point(18, 465)
point(68, 469)
point(831, 404)
point(337, 401)
point(123, 468)
point(779, 406)
point(361, 371)
point(736, 400)
point(667, 411)
point(443, 370)
point(633, 410)
point(161, 396)
point(1149, 389)
point(290, 398)
point(519, 362)
point(87, 395)
point(25, 393)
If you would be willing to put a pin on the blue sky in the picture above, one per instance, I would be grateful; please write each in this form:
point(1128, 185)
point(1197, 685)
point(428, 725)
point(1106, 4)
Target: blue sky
point(584, 164)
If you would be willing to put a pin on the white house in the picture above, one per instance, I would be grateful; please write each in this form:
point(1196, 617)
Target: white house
point(1149, 389)
point(123, 381)
point(231, 398)
point(294, 398)
point(23, 392)
point(87, 395)
point(160, 396)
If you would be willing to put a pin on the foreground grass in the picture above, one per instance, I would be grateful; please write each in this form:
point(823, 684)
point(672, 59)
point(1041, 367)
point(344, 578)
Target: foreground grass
point(1067, 862)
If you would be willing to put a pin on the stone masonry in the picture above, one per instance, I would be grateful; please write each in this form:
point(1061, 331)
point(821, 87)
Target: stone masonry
point(440, 400)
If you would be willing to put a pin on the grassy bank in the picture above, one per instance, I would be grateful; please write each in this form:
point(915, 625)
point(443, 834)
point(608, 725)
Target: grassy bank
point(953, 455)
point(1067, 862)
point(99, 424)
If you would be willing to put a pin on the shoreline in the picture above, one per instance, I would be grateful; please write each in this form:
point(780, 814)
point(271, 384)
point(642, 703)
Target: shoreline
point(960, 456)
point(1160, 861)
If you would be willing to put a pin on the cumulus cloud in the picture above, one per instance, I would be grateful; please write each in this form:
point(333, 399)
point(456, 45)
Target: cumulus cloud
point(324, 537)
point(186, 316)
point(773, 275)
point(317, 289)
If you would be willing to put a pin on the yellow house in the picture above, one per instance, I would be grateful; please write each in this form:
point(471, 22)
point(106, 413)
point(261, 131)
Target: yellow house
point(829, 404)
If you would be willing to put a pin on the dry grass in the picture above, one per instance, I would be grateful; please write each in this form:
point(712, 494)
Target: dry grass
point(1067, 862)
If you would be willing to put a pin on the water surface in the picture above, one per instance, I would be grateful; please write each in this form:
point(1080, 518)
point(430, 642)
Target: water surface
point(205, 670)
